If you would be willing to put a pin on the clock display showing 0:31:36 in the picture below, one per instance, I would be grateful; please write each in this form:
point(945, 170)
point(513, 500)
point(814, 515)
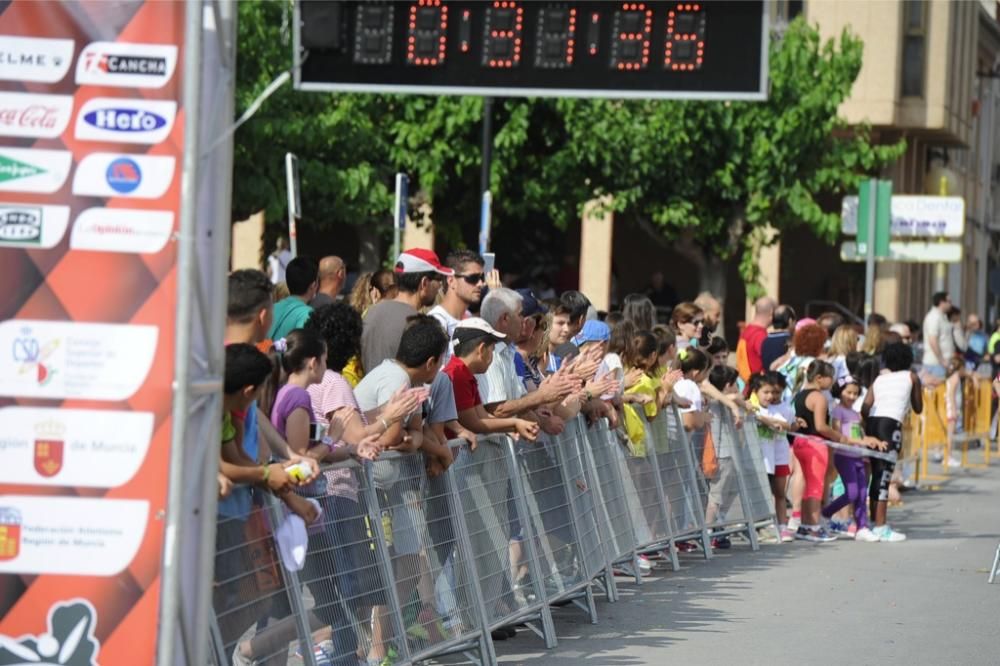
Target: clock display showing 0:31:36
point(563, 34)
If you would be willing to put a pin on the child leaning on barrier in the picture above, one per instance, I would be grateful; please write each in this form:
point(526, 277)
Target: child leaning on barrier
point(723, 487)
point(891, 396)
point(774, 419)
point(473, 342)
point(850, 466)
point(247, 368)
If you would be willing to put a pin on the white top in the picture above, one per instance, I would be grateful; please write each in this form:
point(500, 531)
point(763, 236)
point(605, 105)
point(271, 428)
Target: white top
point(278, 262)
point(612, 364)
point(779, 412)
point(936, 325)
point(688, 390)
point(892, 395)
point(500, 382)
point(448, 323)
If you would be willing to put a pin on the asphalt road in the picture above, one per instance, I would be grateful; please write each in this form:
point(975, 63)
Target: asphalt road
point(923, 601)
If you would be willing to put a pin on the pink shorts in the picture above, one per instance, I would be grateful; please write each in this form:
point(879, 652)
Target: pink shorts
point(813, 458)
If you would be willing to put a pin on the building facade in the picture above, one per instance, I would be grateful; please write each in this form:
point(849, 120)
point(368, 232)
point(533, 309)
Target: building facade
point(931, 76)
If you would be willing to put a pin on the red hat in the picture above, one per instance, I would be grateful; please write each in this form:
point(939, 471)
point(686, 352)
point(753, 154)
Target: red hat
point(419, 260)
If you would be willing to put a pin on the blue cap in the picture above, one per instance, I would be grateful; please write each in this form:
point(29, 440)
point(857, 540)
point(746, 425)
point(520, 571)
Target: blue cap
point(592, 331)
point(530, 305)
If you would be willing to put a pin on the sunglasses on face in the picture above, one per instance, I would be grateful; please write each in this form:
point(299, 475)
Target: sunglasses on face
point(698, 322)
point(473, 278)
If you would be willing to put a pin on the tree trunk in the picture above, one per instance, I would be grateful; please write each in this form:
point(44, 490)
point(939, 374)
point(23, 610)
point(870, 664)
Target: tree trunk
point(370, 243)
point(712, 277)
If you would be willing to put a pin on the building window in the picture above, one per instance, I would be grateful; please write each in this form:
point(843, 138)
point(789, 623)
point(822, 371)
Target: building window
point(914, 40)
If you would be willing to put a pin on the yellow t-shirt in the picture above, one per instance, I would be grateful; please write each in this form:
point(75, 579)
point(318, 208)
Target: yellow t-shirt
point(352, 372)
point(635, 425)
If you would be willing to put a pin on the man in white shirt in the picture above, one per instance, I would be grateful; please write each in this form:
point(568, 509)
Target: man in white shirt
point(463, 289)
point(278, 260)
point(939, 341)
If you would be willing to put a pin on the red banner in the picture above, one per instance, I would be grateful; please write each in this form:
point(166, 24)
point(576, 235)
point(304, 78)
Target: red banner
point(91, 141)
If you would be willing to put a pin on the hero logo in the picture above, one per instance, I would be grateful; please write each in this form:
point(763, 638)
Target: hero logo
point(126, 121)
point(30, 115)
point(126, 64)
point(21, 225)
point(124, 175)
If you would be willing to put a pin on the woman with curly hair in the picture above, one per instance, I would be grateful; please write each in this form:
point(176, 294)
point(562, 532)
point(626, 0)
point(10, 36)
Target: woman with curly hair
point(370, 288)
point(352, 568)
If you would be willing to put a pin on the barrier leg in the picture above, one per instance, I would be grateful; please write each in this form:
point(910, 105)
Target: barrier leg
point(295, 595)
point(385, 562)
point(661, 495)
point(697, 508)
point(607, 576)
point(996, 565)
point(547, 632)
point(487, 651)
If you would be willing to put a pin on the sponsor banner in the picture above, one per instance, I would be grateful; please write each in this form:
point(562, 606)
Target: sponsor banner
point(68, 638)
point(72, 447)
point(121, 175)
point(126, 65)
point(33, 169)
point(122, 230)
point(918, 252)
point(71, 535)
point(31, 226)
point(56, 359)
point(913, 216)
point(31, 115)
point(121, 120)
point(34, 58)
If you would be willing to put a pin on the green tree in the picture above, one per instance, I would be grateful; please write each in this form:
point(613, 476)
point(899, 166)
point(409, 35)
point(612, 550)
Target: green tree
point(710, 176)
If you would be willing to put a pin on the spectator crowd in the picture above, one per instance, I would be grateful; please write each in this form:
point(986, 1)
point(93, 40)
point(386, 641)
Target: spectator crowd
point(430, 352)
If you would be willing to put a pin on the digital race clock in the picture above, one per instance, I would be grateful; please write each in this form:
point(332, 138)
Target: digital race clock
point(683, 50)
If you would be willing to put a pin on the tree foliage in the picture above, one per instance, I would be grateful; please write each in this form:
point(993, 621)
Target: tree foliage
point(707, 175)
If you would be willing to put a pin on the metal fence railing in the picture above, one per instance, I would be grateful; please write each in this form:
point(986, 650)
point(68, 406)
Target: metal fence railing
point(401, 567)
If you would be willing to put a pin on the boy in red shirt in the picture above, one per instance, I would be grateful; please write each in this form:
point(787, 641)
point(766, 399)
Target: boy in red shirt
point(473, 343)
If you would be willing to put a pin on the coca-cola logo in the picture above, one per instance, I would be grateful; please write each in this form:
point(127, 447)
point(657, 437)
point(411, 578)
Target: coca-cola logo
point(35, 115)
point(30, 115)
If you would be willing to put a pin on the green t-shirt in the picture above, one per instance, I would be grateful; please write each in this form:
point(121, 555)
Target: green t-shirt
point(289, 314)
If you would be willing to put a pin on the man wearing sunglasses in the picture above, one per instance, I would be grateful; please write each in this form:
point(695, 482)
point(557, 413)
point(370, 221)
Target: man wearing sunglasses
point(463, 290)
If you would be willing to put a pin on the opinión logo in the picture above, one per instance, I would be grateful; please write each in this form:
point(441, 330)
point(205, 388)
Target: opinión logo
point(119, 120)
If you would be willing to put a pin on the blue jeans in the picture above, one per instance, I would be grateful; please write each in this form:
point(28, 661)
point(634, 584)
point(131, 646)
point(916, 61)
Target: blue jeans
point(935, 371)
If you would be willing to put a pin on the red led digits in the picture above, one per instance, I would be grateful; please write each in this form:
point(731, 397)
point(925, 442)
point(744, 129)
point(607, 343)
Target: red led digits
point(555, 38)
point(631, 29)
point(502, 34)
point(427, 29)
point(685, 48)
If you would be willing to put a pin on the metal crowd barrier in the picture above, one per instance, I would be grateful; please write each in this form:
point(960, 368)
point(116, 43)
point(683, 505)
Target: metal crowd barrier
point(409, 567)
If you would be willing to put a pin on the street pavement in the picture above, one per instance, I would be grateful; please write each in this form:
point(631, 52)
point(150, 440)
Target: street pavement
point(923, 601)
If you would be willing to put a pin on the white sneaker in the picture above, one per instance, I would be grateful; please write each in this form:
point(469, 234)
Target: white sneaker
point(951, 461)
point(866, 535)
point(887, 534)
point(794, 523)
